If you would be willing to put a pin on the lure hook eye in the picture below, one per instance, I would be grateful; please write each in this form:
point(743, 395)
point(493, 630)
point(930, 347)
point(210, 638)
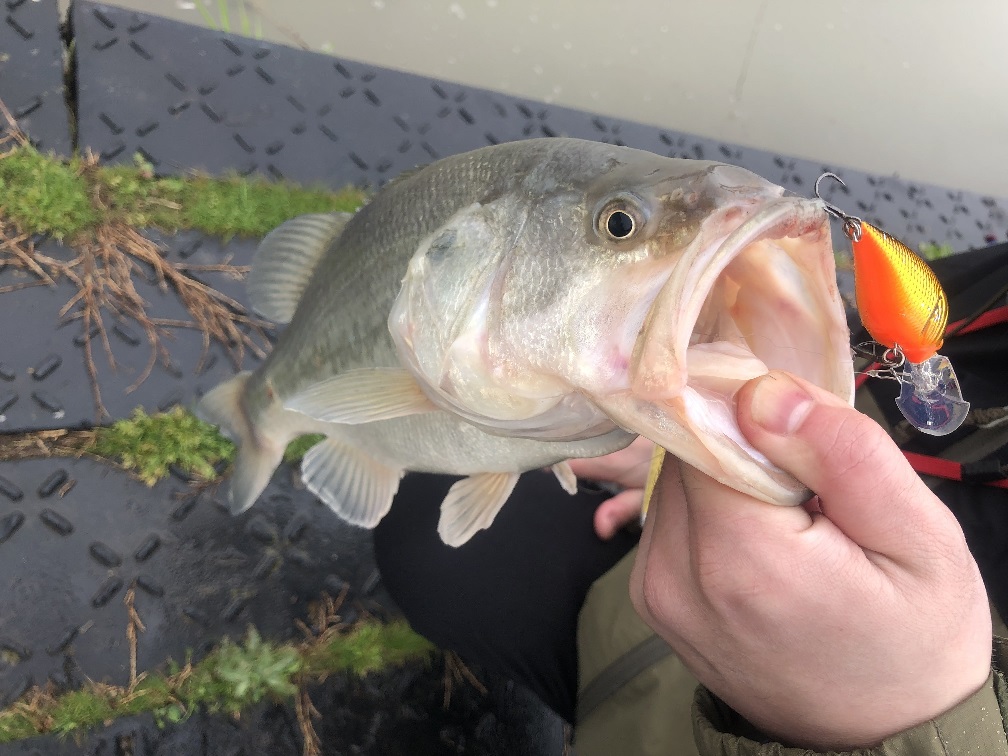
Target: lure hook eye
point(894, 357)
point(851, 223)
point(888, 357)
point(889, 361)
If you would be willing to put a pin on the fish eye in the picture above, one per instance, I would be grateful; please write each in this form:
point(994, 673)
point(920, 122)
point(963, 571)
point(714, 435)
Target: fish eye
point(619, 220)
point(619, 224)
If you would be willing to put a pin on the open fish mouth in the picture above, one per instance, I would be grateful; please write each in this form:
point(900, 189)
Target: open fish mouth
point(755, 292)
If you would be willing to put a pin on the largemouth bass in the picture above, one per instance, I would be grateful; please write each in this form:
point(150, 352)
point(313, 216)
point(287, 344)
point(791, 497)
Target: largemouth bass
point(523, 304)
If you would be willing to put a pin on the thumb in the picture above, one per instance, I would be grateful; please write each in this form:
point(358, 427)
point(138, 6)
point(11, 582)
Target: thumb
point(865, 485)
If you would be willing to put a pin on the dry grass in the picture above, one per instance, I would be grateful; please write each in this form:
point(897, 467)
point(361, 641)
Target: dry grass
point(457, 673)
point(46, 443)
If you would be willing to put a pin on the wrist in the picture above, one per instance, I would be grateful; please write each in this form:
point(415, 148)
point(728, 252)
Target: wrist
point(975, 720)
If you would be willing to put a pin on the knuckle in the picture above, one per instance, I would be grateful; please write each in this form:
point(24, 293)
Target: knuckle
point(650, 593)
point(727, 582)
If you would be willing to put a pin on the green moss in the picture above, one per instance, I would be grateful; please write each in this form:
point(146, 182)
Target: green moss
point(222, 207)
point(80, 708)
point(15, 725)
point(297, 448)
point(150, 694)
point(246, 674)
point(233, 676)
point(368, 648)
point(240, 206)
point(39, 193)
point(149, 444)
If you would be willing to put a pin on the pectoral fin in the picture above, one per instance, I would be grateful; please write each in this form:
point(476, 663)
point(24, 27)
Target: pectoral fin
point(471, 505)
point(353, 485)
point(362, 396)
point(566, 476)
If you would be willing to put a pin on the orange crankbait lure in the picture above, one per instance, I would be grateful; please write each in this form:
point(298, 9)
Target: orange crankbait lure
point(899, 298)
point(903, 307)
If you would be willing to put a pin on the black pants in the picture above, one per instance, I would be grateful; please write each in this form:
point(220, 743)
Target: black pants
point(508, 600)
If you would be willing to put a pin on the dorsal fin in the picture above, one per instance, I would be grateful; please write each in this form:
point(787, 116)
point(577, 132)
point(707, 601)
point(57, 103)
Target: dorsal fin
point(284, 262)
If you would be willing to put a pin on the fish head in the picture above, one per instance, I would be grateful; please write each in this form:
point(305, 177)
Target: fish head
point(629, 291)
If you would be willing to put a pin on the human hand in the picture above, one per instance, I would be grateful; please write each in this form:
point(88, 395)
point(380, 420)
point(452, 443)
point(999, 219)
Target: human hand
point(628, 468)
point(831, 626)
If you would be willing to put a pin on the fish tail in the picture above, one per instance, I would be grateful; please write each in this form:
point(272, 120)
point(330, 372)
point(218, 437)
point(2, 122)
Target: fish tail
point(258, 453)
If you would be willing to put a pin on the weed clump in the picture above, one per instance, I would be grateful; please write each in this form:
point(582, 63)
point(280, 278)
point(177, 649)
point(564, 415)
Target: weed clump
point(230, 678)
point(148, 445)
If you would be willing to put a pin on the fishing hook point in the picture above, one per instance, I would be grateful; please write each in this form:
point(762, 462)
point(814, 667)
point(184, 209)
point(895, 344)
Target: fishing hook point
point(851, 223)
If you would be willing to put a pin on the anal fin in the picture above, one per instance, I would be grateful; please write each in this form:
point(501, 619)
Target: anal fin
point(362, 396)
point(566, 477)
point(472, 504)
point(354, 485)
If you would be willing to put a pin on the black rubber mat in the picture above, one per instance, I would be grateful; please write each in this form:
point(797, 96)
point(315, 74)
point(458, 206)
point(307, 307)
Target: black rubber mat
point(44, 382)
point(31, 72)
point(75, 535)
point(149, 86)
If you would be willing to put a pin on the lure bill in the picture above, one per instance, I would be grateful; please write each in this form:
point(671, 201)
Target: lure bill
point(904, 308)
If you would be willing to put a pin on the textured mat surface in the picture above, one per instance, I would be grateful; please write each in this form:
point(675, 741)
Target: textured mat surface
point(75, 535)
point(44, 382)
point(149, 86)
point(31, 72)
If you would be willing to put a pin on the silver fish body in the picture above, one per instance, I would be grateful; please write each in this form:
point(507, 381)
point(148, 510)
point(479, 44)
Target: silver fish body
point(512, 307)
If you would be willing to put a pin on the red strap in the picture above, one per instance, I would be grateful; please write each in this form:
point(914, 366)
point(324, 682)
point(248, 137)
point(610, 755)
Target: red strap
point(943, 468)
point(994, 317)
point(990, 318)
point(863, 376)
point(922, 463)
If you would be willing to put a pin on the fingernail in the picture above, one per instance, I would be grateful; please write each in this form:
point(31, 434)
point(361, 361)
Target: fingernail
point(779, 404)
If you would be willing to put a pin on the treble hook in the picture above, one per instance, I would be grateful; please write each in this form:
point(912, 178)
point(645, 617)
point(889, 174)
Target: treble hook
point(851, 223)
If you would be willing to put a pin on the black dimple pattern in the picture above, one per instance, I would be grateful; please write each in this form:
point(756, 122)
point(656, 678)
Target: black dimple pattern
point(31, 72)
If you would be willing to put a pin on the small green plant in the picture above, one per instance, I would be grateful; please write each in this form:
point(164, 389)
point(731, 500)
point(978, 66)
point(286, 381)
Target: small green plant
point(223, 20)
point(297, 448)
point(149, 444)
point(77, 708)
point(255, 670)
point(933, 251)
point(44, 195)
